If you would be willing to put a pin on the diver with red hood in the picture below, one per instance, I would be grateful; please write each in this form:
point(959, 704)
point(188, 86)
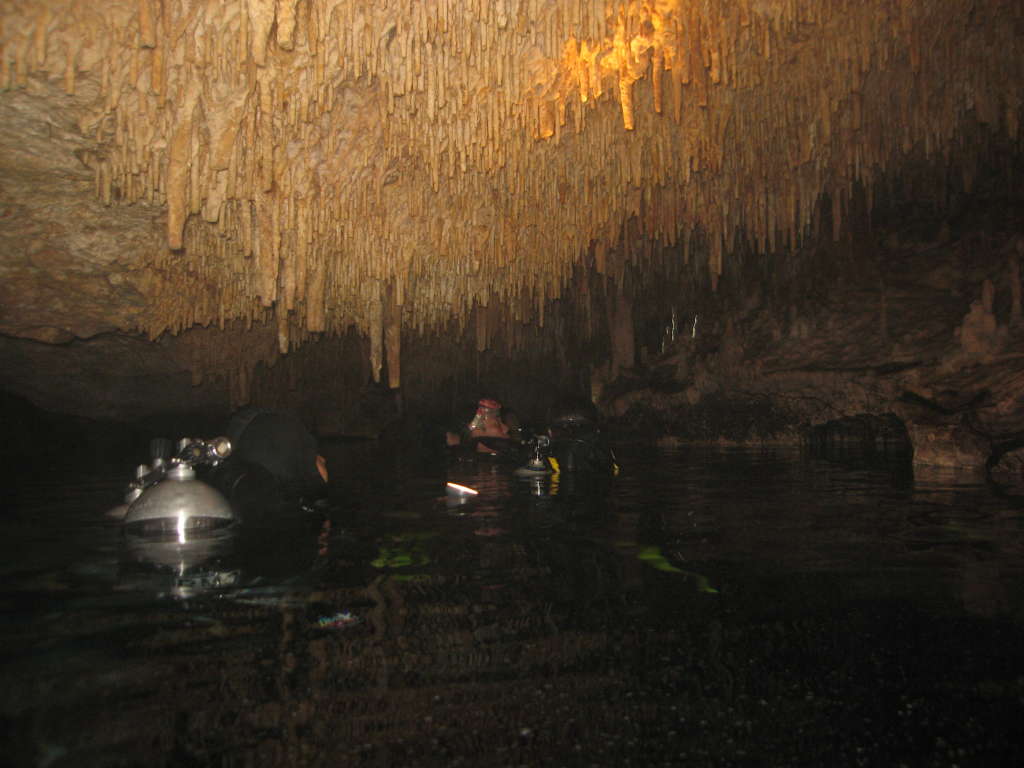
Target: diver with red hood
point(488, 433)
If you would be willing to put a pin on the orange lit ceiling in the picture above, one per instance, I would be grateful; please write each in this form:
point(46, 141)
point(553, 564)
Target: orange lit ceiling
point(317, 156)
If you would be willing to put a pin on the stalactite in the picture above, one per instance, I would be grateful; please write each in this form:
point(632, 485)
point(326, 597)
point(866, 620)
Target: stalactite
point(177, 183)
point(260, 16)
point(393, 337)
point(375, 323)
point(285, 17)
point(283, 331)
point(39, 37)
point(318, 136)
point(626, 100)
point(147, 25)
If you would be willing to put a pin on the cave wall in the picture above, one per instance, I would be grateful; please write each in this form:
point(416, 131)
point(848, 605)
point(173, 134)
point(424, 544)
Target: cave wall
point(914, 313)
point(358, 210)
point(912, 310)
point(329, 381)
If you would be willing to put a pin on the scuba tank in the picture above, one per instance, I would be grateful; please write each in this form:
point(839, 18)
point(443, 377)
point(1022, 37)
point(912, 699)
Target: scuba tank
point(168, 499)
point(537, 465)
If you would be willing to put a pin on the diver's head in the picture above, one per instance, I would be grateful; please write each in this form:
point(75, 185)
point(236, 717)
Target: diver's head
point(279, 443)
point(487, 420)
point(572, 417)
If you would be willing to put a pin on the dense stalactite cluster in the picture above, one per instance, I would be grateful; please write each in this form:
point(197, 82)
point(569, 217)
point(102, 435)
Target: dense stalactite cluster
point(399, 164)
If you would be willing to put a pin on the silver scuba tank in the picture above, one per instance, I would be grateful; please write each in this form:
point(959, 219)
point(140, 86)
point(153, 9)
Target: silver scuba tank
point(168, 500)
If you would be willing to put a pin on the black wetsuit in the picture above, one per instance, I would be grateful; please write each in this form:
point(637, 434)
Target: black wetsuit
point(583, 453)
point(272, 454)
point(500, 449)
point(577, 445)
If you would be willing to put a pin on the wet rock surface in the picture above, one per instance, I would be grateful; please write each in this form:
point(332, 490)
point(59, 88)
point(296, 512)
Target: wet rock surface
point(934, 339)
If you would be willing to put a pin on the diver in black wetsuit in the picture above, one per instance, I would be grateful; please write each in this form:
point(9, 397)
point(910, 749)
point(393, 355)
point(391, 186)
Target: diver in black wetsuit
point(577, 444)
point(272, 480)
point(273, 455)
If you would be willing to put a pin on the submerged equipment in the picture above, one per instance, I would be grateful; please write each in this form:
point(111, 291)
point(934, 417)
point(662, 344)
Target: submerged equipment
point(168, 499)
point(537, 465)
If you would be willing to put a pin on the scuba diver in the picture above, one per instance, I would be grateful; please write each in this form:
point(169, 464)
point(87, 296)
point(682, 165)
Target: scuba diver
point(572, 458)
point(266, 460)
point(486, 434)
point(272, 454)
point(576, 442)
point(232, 510)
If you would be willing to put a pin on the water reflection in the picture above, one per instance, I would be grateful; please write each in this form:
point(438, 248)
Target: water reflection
point(707, 606)
point(180, 567)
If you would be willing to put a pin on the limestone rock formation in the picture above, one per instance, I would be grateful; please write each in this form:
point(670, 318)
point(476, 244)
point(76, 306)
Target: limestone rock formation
point(933, 342)
point(419, 192)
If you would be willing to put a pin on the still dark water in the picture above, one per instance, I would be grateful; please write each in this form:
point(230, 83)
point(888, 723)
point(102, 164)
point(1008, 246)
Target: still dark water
point(709, 607)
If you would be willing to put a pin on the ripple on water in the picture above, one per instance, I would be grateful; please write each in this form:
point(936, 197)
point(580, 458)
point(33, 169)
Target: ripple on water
point(718, 602)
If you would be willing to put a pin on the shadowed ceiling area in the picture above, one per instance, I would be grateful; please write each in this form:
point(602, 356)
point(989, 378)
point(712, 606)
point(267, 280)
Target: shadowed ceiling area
point(220, 183)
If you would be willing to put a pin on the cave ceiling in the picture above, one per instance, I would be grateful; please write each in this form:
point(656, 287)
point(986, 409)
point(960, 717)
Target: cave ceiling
point(316, 166)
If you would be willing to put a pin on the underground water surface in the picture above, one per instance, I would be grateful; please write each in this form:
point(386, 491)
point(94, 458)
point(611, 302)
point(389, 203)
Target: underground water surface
point(707, 607)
